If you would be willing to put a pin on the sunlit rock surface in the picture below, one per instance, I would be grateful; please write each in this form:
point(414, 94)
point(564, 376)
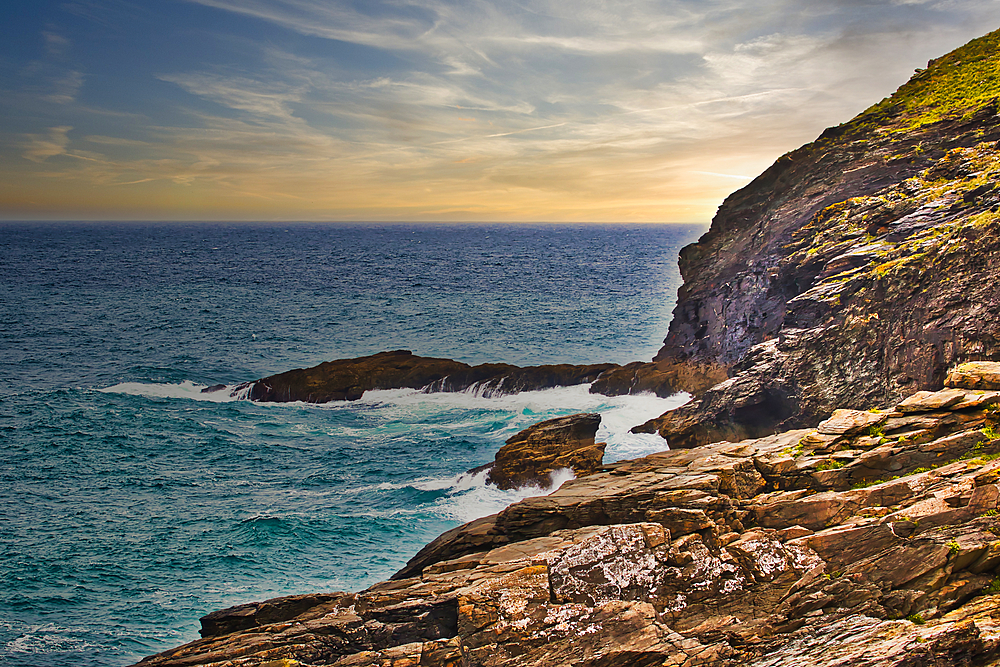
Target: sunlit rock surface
point(876, 544)
point(530, 457)
point(855, 271)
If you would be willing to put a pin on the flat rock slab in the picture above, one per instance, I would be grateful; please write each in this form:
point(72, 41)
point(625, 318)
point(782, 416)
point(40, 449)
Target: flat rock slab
point(928, 401)
point(849, 422)
point(975, 375)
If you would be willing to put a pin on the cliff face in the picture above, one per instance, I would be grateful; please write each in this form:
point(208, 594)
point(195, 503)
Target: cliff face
point(853, 272)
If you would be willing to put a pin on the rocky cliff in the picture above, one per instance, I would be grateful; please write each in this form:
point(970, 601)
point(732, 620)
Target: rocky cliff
point(833, 494)
point(854, 271)
point(870, 540)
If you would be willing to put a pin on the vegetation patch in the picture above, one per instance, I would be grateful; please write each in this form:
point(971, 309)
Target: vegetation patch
point(955, 85)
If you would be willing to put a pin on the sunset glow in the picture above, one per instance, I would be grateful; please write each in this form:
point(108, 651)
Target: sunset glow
point(431, 109)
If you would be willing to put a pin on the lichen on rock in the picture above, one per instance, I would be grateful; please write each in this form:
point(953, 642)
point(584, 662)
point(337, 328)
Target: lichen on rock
point(855, 271)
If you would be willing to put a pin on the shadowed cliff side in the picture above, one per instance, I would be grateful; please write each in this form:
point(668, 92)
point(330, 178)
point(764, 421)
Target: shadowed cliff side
point(853, 271)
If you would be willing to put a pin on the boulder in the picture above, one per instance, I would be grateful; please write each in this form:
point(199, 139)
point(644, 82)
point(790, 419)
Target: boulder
point(975, 375)
point(530, 457)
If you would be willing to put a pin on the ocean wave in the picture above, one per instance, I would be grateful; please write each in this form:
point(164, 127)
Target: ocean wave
point(618, 413)
point(473, 498)
point(463, 497)
point(186, 389)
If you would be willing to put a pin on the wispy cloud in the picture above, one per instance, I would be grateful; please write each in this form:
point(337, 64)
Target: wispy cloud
point(502, 109)
point(66, 88)
point(40, 148)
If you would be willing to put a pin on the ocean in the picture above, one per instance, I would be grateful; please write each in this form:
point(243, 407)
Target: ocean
point(133, 504)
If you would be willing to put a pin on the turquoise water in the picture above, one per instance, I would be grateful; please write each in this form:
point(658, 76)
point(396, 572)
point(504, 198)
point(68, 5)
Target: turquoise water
point(134, 504)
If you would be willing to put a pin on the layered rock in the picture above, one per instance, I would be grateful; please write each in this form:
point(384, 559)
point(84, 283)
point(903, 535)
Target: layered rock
point(869, 540)
point(854, 271)
point(349, 379)
point(530, 457)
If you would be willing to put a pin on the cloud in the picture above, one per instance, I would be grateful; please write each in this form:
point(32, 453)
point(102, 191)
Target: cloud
point(66, 88)
point(266, 99)
point(39, 148)
point(528, 109)
point(55, 45)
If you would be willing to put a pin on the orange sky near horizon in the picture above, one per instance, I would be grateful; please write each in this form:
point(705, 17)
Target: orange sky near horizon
point(629, 111)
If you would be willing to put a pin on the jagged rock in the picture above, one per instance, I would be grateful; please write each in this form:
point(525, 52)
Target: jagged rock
point(975, 375)
point(852, 273)
point(256, 614)
point(663, 378)
point(349, 379)
point(530, 457)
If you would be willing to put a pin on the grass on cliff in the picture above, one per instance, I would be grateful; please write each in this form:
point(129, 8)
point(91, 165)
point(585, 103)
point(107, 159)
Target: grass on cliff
point(954, 85)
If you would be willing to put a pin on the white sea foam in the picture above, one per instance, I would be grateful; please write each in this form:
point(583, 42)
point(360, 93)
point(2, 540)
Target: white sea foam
point(187, 389)
point(618, 413)
point(513, 412)
point(44, 638)
point(469, 497)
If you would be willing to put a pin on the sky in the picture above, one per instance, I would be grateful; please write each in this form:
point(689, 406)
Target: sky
point(435, 110)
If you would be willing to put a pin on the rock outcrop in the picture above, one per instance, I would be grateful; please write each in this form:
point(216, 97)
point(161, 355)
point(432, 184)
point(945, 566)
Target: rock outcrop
point(869, 540)
point(349, 379)
point(854, 271)
point(530, 457)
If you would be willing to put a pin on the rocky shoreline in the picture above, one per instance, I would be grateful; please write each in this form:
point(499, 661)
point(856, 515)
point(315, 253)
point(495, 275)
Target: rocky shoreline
point(869, 540)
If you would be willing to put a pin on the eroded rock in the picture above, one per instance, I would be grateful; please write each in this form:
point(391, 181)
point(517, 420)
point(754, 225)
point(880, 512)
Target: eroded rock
point(349, 379)
point(531, 456)
point(975, 375)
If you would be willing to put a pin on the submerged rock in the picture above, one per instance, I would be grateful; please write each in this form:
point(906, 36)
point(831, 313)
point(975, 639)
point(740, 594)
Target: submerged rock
point(530, 457)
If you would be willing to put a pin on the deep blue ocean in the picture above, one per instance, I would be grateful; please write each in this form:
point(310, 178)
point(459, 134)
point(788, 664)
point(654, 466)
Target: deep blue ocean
point(133, 504)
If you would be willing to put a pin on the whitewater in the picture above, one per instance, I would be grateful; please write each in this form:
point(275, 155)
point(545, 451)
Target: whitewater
point(134, 502)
